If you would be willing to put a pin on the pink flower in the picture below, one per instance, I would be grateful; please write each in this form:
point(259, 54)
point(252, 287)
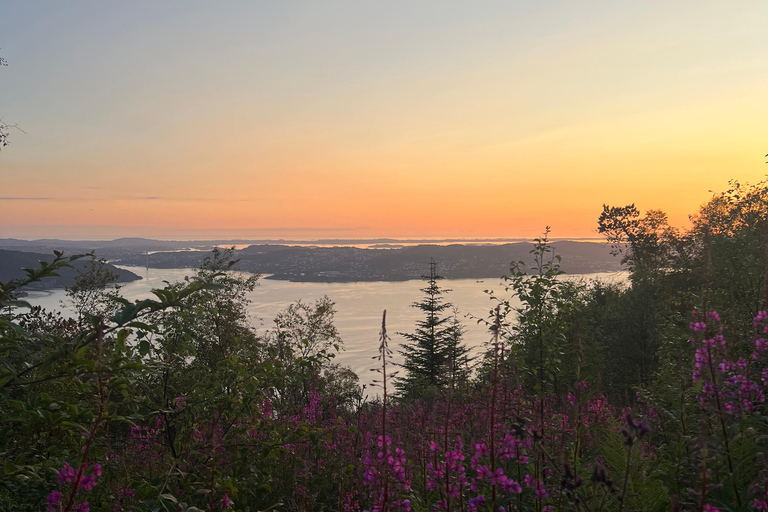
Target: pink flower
point(698, 326)
point(54, 499)
point(67, 474)
point(89, 482)
point(476, 502)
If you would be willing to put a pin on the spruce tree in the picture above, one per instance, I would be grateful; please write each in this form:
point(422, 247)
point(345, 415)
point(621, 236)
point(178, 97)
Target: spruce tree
point(457, 358)
point(425, 350)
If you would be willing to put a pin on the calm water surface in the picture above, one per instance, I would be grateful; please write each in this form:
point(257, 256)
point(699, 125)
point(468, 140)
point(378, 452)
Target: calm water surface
point(358, 305)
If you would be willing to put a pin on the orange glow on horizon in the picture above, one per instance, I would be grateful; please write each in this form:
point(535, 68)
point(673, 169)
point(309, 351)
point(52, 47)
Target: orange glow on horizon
point(496, 126)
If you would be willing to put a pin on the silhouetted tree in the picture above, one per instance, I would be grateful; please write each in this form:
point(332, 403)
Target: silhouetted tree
point(644, 242)
point(458, 359)
point(94, 293)
point(425, 349)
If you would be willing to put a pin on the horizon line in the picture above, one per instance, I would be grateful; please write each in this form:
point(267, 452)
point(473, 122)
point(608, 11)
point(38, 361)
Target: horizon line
point(239, 241)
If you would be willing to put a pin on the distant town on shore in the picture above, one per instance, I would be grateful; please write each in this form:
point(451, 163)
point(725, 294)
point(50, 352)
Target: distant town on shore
point(322, 261)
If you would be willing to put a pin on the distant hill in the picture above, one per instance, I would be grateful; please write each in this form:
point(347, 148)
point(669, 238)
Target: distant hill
point(390, 261)
point(123, 244)
point(342, 264)
point(12, 264)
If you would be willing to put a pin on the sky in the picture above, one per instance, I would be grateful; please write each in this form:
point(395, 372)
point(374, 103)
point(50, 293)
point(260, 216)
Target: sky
point(361, 119)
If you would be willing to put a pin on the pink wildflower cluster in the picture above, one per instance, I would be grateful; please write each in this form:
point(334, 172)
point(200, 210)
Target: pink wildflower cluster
point(512, 447)
point(312, 410)
point(384, 474)
point(725, 383)
point(537, 485)
point(761, 345)
point(495, 478)
point(76, 480)
point(447, 474)
point(143, 438)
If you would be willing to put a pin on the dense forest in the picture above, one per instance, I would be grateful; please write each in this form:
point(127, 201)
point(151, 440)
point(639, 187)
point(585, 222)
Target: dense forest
point(588, 396)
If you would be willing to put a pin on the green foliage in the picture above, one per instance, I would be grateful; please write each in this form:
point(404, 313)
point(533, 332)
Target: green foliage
point(644, 242)
point(536, 319)
point(51, 371)
point(162, 393)
point(730, 239)
point(303, 342)
point(458, 360)
point(91, 294)
point(645, 489)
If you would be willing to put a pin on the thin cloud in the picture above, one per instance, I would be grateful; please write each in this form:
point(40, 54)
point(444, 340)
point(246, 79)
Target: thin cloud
point(26, 198)
point(80, 198)
point(128, 198)
point(246, 230)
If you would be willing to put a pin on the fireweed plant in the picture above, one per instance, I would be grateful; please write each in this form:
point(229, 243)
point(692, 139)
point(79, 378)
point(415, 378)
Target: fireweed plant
point(481, 449)
point(489, 447)
point(177, 404)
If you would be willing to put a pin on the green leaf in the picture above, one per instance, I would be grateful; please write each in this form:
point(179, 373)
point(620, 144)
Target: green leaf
point(72, 424)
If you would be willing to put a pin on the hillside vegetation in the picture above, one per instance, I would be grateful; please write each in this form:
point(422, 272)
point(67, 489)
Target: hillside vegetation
point(13, 263)
point(588, 397)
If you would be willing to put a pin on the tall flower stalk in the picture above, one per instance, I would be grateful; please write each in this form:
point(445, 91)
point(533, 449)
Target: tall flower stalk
point(387, 469)
point(494, 391)
point(707, 370)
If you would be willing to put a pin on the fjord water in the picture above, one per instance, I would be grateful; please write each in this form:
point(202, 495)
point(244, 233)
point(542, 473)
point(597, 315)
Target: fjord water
point(358, 307)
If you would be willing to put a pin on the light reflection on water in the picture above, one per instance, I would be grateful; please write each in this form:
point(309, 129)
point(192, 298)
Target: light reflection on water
point(358, 305)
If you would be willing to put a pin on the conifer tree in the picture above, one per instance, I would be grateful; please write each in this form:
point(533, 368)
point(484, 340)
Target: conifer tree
point(425, 350)
point(458, 360)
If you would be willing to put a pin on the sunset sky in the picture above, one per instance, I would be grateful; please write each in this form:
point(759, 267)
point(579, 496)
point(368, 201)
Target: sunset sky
point(359, 119)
